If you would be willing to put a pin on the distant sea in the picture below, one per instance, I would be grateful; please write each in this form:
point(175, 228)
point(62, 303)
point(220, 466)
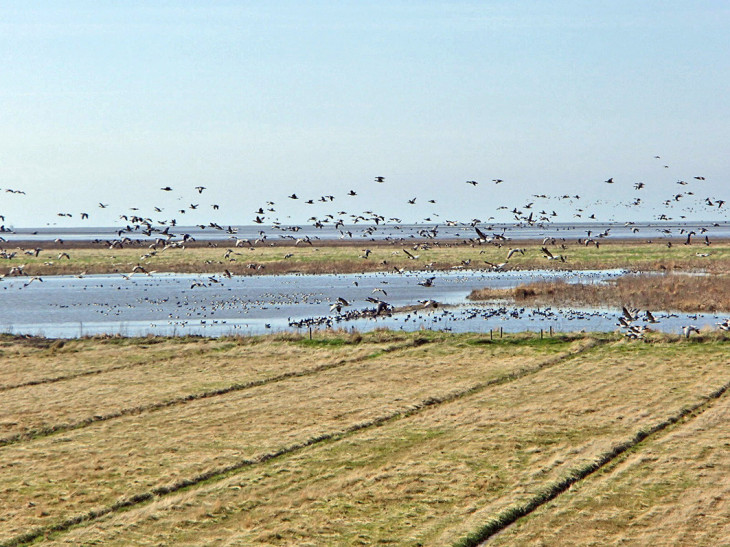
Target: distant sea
point(371, 232)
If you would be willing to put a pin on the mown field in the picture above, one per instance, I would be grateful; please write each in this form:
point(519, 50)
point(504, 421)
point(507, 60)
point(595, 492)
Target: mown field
point(383, 438)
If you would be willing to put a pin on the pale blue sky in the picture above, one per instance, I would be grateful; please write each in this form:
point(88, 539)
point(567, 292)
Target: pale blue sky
point(109, 101)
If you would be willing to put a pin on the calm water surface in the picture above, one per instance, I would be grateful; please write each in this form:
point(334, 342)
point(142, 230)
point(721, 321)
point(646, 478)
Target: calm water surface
point(177, 304)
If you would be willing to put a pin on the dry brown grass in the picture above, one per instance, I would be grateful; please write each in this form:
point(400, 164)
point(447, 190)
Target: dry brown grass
point(669, 292)
point(437, 475)
point(422, 444)
point(148, 376)
point(76, 471)
point(674, 491)
point(38, 360)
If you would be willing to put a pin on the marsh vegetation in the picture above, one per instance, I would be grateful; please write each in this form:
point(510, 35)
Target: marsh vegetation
point(666, 292)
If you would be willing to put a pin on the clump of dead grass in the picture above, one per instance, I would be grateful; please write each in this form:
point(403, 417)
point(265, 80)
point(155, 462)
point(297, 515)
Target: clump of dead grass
point(669, 292)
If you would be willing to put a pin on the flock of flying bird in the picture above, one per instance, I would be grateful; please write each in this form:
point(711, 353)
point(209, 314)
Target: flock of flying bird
point(163, 233)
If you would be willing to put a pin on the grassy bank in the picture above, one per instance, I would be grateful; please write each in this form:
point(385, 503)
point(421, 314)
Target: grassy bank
point(331, 257)
point(407, 438)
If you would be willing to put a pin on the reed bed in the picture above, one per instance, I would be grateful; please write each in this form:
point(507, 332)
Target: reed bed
point(669, 292)
point(438, 475)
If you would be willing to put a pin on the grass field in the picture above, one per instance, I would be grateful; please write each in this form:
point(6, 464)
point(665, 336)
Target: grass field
point(384, 256)
point(382, 438)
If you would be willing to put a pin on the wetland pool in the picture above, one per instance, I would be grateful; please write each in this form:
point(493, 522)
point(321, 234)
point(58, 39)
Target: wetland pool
point(215, 305)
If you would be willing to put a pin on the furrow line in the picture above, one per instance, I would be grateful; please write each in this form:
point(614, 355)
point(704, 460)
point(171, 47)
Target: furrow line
point(226, 471)
point(94, 372)
point(512, 514)
point(152, 407)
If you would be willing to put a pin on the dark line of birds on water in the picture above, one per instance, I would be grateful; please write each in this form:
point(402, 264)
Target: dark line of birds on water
point(165, 237)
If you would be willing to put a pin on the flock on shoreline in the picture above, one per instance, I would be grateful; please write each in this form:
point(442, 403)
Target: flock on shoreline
point(160, 229)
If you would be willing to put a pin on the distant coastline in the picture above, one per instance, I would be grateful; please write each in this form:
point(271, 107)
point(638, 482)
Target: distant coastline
point(655, 230)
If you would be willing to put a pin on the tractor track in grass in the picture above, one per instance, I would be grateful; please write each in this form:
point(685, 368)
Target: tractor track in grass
point(94, 372)
point(511, 515)
point(152, 407)
point(100, 371)
point(221, 473)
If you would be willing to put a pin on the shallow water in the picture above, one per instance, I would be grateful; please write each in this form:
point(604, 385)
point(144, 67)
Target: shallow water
point(179, 304)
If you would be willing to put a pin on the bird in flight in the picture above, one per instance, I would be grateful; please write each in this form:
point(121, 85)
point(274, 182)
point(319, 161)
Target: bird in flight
point(379, 179)
point(513, 251)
